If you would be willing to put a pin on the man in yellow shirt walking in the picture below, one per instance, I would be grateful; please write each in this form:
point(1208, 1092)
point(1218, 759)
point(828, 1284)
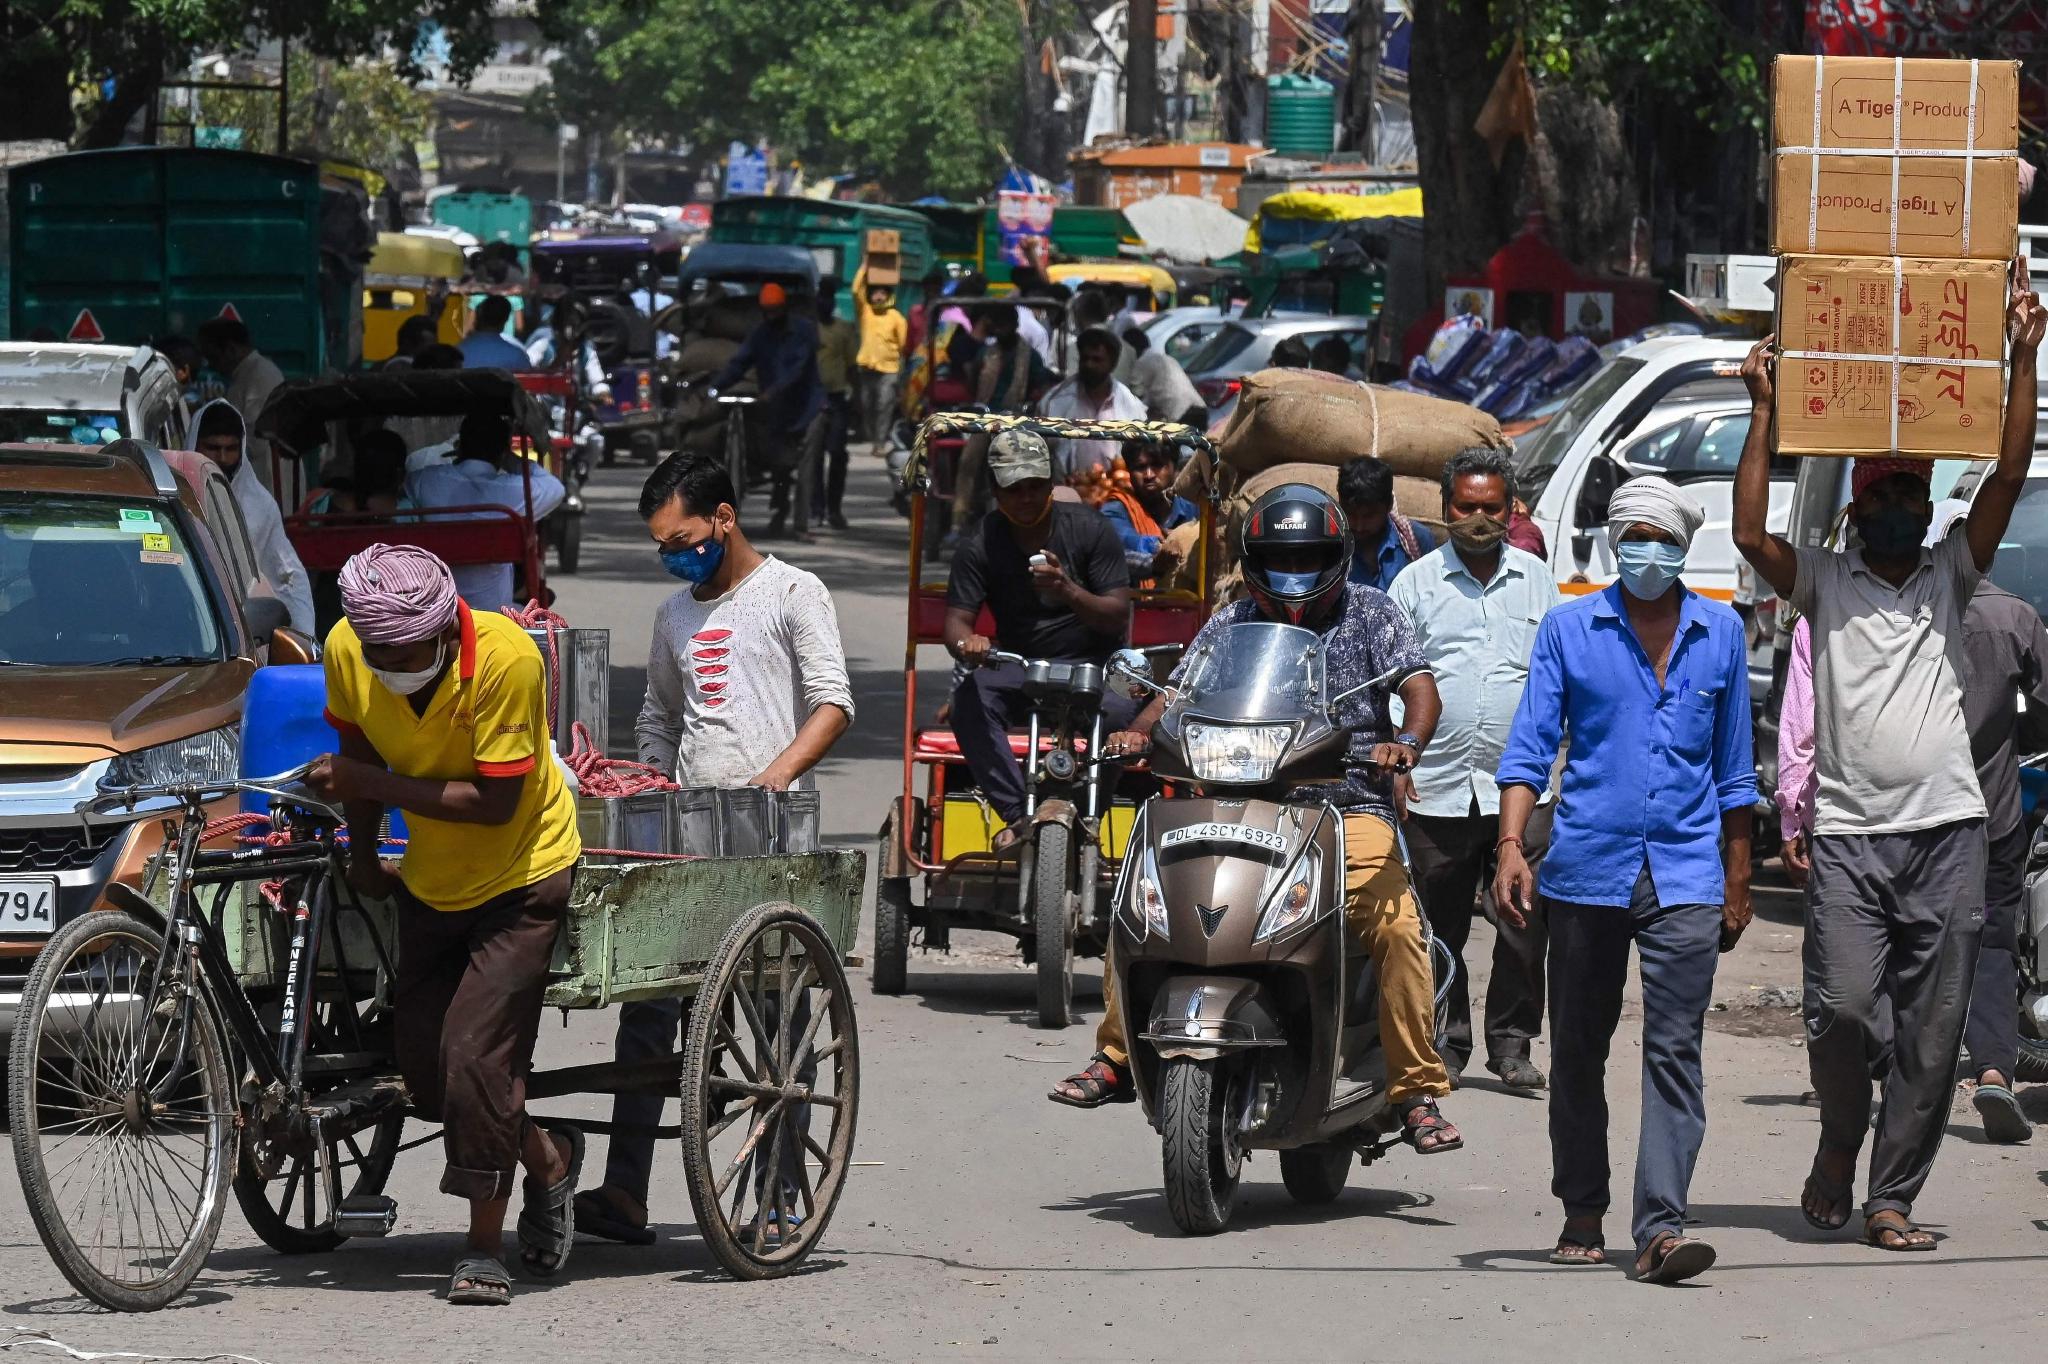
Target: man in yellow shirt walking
point(444, 714)
point(883, 334)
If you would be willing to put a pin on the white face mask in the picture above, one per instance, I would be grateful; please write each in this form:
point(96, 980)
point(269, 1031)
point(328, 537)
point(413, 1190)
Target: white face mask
point(405, 684)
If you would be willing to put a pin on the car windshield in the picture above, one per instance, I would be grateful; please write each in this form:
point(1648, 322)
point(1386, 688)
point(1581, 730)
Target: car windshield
point(49, 426)
point(1220, 349)
point(1256, 670)
point(1538, 459)
point(2021, 567)
point(97, 582)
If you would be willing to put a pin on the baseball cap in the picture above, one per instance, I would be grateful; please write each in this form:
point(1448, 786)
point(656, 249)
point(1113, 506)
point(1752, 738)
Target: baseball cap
point(1015, 456)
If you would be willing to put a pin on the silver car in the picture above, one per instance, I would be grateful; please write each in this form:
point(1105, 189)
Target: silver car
point(1245, 345)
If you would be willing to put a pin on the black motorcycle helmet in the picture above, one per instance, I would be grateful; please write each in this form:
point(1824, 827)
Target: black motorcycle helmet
point(1296, 550)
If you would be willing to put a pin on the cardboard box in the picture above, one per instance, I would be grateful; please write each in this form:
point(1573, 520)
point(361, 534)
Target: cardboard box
point(1890, 356)
point(1864, 145)
point(884, 256)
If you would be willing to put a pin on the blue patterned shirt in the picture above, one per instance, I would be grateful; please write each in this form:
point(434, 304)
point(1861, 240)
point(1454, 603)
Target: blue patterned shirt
point(1369, 636)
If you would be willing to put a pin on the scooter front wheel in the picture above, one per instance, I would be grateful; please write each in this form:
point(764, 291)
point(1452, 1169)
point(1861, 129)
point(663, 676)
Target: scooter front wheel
point(1198, 1140)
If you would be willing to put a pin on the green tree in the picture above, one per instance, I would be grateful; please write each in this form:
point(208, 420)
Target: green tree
point(355, 111)
point(53, 50)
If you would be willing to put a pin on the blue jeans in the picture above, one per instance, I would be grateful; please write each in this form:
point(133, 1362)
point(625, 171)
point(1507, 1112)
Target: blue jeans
point(1679, 946)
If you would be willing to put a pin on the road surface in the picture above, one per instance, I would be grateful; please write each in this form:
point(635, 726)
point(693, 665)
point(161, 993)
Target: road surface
point(983, 1223)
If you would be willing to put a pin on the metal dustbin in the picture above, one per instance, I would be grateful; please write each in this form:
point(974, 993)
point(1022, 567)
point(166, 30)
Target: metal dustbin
point(580, 685)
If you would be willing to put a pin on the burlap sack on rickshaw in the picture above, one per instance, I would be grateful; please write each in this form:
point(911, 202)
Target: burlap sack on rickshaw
point(705, 355)
point(1418, 499)
point(1297, 416)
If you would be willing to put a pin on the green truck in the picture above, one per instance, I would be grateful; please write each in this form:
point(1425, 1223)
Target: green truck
point(838, 235)
point(489, 215)
point(131, 244)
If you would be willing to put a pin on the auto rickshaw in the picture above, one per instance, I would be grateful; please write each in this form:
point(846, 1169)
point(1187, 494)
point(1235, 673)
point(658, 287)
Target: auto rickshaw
point(412, 276)
point(939, 865)
point(619, 284)
point(1145, 287)
point(304, 416)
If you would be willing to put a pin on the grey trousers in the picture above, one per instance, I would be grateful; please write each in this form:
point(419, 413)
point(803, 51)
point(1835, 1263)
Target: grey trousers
point(1679, 946)
point(1891, 918)
point(1453, 858)
point(1992, 1036)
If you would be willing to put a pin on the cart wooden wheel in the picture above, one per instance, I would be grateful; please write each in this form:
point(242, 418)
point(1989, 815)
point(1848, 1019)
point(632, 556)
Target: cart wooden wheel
point(771, 1080)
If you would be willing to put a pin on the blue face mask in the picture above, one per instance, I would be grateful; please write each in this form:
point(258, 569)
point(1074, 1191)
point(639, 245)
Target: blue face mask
point(697, 564)
point(1648, 567)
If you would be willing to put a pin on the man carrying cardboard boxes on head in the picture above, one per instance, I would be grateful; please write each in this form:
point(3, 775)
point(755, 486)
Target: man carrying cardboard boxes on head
point(1894, 361)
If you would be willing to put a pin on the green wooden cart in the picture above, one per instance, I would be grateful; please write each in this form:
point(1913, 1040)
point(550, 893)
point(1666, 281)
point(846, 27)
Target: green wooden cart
point(255, 1054)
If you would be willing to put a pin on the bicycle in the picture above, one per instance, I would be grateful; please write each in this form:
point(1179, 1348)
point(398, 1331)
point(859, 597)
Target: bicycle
point(147, 1080)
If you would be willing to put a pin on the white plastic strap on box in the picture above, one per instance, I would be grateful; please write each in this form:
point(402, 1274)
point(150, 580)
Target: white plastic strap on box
point(1898, 286)
point(1898, 100)
point(1969, 162)
point(1813, 197)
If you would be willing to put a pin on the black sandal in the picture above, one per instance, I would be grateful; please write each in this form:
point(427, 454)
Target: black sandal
point(1590, 1245)
point(1674, 1258)
point(1103, 1082)
point(1911, 1239)
point(547, 1222)
point(1840, 1196)
point(1423, 1119)
point(600, 1214)
point(488, 1285)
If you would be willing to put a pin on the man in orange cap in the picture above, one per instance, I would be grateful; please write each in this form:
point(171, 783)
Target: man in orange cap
point(782, 352)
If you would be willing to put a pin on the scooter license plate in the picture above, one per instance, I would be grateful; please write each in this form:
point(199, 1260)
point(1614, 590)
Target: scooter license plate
point(1263, 839)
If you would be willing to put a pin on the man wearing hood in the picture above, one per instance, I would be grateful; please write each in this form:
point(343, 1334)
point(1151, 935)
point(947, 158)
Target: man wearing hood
point(1649, 849)
point(251, 377)
point(223, 438)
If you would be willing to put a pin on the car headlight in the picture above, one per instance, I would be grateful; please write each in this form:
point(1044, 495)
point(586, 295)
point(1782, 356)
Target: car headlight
point(213, 756)
point(1240, 754)
point(1294, 903)
point(1151, 907)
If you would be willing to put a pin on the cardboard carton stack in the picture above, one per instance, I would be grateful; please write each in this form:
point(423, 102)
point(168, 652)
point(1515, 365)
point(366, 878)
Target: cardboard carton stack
point(1894, 212)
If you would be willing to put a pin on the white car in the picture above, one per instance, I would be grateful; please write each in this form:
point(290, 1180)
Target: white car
point(58, 393)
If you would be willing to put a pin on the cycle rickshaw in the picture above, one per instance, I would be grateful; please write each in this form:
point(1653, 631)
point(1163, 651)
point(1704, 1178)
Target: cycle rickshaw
point(940, 868)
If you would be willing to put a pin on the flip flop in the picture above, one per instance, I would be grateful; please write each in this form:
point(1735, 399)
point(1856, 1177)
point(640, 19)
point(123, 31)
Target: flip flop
point(2004, 1122)
point(597, 1215)
point(1674, 1259)
point(489, 1284)
point(1875, 1232)
point(1837, 1196)
point(1593, 1244)
point(547, 1222)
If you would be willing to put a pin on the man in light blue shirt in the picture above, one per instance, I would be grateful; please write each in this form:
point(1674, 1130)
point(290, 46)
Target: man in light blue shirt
point(487, 346)
point(1386, 541)
point(1650, 848)
point(1474, 605)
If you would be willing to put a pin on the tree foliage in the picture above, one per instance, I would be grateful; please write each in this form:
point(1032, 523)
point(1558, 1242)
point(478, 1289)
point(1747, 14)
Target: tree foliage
point(1691, 50)
point(917, 94)
point(356, 111)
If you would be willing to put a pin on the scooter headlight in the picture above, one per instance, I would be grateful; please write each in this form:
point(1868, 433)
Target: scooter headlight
point(1294, 903)
point(1235, 754)
point(1151, 907)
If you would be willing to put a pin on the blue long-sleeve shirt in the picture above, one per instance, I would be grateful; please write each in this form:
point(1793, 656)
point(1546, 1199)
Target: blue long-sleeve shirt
point(784, 357)
point(1651, 769)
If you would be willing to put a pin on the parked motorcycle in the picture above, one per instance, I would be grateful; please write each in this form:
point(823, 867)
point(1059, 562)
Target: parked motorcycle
point(1253, 1024)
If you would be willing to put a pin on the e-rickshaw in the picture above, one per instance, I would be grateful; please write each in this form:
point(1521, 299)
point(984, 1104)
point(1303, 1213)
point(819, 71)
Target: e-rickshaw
point(412, 276)
point(1050, 890)
point(1144, 287)
point(306, 415)
point(619, 284)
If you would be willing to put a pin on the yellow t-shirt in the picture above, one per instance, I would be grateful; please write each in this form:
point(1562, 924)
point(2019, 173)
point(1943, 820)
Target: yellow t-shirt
point(488, 718)
point(882, 335)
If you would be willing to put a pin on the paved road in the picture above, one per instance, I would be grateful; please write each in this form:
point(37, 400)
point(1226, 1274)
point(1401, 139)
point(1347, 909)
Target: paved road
point(985, 1223)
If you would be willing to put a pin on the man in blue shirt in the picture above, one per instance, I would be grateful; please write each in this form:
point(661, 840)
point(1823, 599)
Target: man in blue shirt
point(1386, 541)
point(487, 346)
point(783, 354)
point(1650, 846)
point(1144, 514)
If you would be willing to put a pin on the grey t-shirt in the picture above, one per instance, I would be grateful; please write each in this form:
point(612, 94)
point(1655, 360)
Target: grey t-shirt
point(1891, 750)
point(2005, 696)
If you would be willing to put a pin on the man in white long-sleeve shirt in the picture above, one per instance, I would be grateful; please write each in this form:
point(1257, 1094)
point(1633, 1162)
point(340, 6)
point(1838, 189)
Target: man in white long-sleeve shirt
point(222, 436)
point(746, 686)
point(484, 473)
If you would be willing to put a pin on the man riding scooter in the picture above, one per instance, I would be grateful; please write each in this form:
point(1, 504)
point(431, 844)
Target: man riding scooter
point(1296, 556)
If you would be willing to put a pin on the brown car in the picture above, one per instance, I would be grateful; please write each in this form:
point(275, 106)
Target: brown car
point(130, 624)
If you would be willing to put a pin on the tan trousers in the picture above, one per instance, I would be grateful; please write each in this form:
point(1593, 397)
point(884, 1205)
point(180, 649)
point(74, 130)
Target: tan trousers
point(1381, 917)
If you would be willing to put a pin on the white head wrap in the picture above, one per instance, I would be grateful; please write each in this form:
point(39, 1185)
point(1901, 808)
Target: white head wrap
point(1654, 501)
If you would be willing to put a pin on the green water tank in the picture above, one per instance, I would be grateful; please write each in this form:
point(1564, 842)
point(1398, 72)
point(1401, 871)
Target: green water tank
point(1301, 116)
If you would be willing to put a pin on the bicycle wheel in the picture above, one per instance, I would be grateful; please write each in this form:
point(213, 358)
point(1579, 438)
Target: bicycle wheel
point(122, 1114)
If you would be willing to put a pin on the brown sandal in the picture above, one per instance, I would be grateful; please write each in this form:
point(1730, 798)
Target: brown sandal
point(1425, 1127)
point(1103, 1082)
point(1673, 1258)
point(1906, 1238)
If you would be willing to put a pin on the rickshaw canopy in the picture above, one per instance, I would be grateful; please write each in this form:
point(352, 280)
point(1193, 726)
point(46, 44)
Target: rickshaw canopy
point(1124, 274)
point(405, 261)
point(299, 413)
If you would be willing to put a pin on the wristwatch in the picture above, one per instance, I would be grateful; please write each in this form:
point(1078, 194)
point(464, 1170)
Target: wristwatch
point(1411, 741)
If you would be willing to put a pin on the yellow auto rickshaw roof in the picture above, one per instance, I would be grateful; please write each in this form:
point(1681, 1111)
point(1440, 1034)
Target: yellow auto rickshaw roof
point(406, 255)
point(1114, 272)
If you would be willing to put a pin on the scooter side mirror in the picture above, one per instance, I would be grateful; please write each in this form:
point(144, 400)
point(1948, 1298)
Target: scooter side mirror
point(1132, 670)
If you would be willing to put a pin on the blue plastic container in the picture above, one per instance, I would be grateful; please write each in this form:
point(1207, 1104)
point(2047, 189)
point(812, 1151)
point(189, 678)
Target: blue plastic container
point(284, 724)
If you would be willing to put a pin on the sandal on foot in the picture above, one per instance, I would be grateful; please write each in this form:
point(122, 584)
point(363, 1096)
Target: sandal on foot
point(479, 1281)
point(1837, 1196)
point(1579, 1248)
point(1517, 1072)
point(1674, 1258)
point(547, 1222)
point(1899, 1236)
point(599, 1214)
point(1424, 1127)
point(1104, 1082)
point(2004, 1122)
